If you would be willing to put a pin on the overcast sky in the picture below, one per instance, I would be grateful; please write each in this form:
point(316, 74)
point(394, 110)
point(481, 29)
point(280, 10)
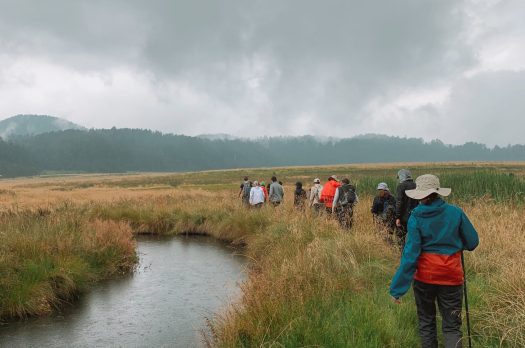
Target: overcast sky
point(453, 70)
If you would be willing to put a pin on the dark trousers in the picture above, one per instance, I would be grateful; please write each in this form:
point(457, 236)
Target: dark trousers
point(345, 216)
point(449, 299)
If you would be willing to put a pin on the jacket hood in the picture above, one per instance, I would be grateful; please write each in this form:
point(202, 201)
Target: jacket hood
point(433, 209)
point(404, 175)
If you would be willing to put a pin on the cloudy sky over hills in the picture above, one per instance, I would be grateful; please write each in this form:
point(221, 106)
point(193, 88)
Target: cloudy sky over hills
point(453, 70)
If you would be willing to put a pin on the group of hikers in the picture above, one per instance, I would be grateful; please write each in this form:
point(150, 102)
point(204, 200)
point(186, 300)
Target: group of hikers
point(338, 198)
point(436, 234)
point(335, 197)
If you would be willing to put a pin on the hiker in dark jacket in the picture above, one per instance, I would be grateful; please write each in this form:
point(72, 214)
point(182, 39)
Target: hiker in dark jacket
point(437, 235)
point(276, 192)
point(299, 200)
point(384, 206)
point(343, 204)
point(244, 192)
point(404, 204)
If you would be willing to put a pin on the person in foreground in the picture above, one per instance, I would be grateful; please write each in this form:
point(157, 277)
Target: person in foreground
point(437, 235)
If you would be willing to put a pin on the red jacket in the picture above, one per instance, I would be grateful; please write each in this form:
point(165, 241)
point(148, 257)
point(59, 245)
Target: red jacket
point(328, 193)
point(439, 269)
point(265, 192)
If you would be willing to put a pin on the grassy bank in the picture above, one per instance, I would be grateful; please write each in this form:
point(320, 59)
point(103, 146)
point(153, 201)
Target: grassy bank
point(310, 283)
point(48, 258)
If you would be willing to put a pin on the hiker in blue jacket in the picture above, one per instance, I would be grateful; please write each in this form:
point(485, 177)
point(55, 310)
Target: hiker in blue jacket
point(437, 235)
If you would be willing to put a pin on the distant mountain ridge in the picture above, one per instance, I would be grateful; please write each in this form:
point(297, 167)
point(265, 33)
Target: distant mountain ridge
point(131, 150)
point(20, 125)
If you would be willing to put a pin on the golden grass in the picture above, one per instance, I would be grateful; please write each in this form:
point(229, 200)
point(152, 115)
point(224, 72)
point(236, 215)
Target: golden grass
point(47, 258)
point(308, 278)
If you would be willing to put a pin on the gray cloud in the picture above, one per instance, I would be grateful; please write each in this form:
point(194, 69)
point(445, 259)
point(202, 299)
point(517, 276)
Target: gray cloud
point(266, 67)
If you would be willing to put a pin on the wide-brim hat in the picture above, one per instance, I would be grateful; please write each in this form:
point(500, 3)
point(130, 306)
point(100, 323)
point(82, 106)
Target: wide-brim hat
point(332, 177)
point(425, 186)
point(317, 180)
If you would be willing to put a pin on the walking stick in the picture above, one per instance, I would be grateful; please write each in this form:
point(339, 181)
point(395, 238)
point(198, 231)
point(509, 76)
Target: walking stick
point(466, 299)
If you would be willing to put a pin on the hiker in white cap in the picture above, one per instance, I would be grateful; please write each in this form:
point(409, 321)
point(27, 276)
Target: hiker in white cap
point(384, 206)
point(315, 195)
point(437, 235)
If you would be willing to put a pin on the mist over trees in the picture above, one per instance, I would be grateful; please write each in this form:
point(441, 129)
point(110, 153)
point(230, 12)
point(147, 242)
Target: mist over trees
point(124, 150)
point(33, 124)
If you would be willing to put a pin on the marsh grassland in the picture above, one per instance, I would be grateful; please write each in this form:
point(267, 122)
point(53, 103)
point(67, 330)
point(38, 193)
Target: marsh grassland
point(310, 283)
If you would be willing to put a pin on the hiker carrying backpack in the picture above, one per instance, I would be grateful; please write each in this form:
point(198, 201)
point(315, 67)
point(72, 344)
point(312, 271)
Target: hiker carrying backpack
point(244, 193)
point(344, 201)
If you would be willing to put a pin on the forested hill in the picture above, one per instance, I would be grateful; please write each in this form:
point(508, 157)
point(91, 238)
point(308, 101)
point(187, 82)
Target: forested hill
point(33, 124)
point(121, 150)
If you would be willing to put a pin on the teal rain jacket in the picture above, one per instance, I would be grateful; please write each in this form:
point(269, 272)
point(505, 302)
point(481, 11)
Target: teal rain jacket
point(438, 229)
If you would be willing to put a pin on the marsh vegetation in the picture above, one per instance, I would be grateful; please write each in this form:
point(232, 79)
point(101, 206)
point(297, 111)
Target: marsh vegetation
point(310, 283)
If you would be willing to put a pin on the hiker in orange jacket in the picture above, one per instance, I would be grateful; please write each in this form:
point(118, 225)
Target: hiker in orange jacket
point(328, 193)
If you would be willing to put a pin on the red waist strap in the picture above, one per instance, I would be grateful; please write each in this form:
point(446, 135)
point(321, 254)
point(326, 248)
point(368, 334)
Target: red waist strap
point(439, 269)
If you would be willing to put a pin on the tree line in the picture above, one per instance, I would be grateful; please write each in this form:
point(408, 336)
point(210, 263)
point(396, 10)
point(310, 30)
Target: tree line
point(124, 150)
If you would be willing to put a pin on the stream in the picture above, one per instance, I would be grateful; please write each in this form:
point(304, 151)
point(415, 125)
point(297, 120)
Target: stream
point(178, 284)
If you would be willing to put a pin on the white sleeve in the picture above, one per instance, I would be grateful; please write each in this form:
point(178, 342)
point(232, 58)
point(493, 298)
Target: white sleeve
point(336, 198)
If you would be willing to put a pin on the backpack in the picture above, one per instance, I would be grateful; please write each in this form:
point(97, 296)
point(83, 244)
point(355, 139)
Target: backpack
point(347, 196)
point(246, 190)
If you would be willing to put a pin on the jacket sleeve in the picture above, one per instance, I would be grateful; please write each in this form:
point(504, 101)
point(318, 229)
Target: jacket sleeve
point(375, 206)
point(400, 191)
point(407, 268)
point(468, 233)
point(272, 187)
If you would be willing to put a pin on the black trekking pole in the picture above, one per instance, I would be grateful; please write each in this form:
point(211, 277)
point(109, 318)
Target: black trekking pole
point(466, 299)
